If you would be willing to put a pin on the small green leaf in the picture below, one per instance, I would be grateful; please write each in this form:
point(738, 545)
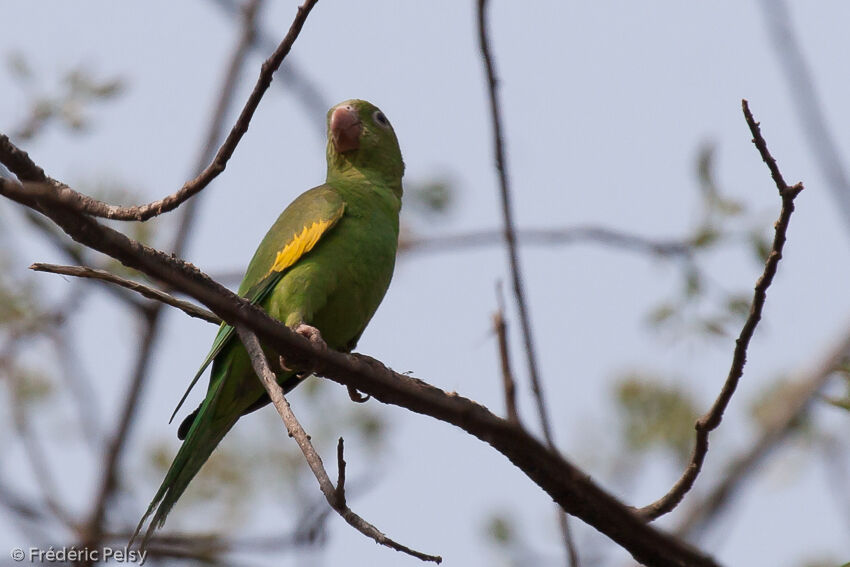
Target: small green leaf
point(662, 314)
point(500, 529)
point(705, 237)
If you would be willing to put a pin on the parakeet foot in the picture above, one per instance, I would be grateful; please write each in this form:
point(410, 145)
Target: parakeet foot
point(313, 335)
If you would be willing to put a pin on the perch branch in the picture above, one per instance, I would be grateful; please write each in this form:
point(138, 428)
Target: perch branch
point(571, 488)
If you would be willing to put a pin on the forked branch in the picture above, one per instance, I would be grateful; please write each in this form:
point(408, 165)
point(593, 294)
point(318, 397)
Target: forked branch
point(334, 494)
point(711, 420)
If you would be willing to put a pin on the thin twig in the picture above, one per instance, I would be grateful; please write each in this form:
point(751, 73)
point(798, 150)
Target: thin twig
point(740, 469)
point(711, 420)
point(513, 256)
point(98, 208)
point(567, 485)
point(293, 78)
point(334, 494)
point(340, 476)
point(508, 384)
point(249, 16)
point(189, 309)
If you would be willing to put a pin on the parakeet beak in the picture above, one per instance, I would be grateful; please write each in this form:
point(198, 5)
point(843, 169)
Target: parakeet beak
point(345, 129)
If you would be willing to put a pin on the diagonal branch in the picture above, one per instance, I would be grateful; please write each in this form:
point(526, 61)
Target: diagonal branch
point(335, 495)
point(98, 208)
point(293, 78)
point(189, 309)
point(711, 420)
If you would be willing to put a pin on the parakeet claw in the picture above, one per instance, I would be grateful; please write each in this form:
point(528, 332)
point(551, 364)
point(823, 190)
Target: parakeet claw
point(312, 334)
point(357, 396)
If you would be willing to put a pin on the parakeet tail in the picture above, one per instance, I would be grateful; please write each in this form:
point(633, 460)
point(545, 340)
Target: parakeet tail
point(202, 438)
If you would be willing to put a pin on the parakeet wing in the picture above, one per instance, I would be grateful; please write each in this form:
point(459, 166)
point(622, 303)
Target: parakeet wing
point(297, 231)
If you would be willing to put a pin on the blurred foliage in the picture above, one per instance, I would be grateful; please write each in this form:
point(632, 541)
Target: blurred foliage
point(841, 402)
point(425, 202)
point(28, 384)
point(257, 457)
point(655, 414)
point(701, 306)
point(772, 402)
point(66, 103)
point(430, 198)
point(499, 529)
point(16, 301)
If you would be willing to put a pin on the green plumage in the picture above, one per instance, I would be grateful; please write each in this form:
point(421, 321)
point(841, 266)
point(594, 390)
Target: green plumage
point(335, 287)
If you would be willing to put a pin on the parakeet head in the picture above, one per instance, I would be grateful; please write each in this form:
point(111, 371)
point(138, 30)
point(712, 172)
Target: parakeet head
point(361, 141)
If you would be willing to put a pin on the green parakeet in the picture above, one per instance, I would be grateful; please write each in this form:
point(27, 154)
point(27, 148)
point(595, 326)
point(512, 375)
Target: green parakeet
point(324, 265)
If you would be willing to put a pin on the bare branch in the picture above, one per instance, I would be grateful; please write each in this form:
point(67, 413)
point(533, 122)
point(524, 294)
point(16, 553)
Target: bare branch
point(334, 494)
point(98, 208)
point(774, 433)
point(293, 78)
point(711, 420)
point(570, 487)
point(508, 383)
point(189, 309)
point(513, 256)
point(249, 15)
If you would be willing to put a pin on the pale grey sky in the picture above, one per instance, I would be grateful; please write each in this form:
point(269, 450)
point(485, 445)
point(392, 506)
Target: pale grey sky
point(606, 105)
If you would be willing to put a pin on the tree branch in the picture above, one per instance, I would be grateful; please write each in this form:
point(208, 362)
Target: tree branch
point(513, 256)
point(571, 488)
point(189, 309)
point(97, 208)
point(508, 384)
point(335, 495)
point(782, 423)
point(711, 420)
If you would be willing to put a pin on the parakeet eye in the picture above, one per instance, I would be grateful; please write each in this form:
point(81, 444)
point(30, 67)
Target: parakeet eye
point(381, 119)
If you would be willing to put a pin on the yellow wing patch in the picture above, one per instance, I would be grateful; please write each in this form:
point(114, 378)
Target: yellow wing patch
point(301, 244)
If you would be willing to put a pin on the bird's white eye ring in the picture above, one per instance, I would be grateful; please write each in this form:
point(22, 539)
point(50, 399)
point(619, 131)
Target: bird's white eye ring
point(381, 119)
